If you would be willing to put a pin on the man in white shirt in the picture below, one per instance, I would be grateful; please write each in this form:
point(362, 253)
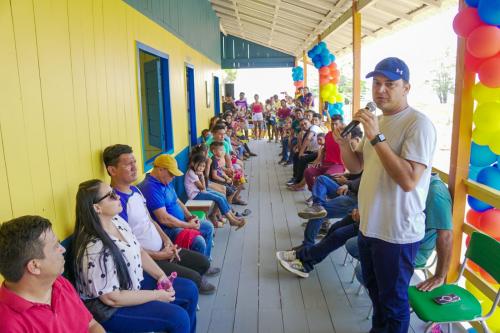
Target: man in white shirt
point(395, 156)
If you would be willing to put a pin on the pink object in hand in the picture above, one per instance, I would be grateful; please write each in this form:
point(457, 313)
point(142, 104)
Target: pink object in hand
point(167, 283)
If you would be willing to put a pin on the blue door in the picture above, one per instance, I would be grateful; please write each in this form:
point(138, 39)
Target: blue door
point(154, 103)
point(191, 107)
point(216, 96)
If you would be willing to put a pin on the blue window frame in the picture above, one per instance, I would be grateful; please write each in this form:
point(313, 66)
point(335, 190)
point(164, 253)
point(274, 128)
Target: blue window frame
point(154, 97)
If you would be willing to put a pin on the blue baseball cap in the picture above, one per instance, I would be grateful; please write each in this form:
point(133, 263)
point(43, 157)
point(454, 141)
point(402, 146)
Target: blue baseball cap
point(392, 68)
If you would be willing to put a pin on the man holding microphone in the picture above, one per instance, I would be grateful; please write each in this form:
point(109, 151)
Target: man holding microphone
point(395, 157)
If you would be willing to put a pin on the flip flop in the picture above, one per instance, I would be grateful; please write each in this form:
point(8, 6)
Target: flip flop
point(246, 212)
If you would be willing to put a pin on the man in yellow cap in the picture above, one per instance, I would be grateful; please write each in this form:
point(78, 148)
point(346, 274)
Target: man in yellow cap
point(166, 208)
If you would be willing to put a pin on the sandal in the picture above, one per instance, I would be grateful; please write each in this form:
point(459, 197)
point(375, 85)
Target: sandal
point(239, 202)
point(246, 212)
point(238, 225)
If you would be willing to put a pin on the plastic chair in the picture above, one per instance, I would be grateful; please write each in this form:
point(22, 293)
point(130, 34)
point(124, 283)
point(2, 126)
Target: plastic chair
point(483, 251)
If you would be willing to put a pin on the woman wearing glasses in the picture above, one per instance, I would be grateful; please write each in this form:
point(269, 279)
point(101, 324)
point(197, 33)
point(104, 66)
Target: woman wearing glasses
point(116, 278)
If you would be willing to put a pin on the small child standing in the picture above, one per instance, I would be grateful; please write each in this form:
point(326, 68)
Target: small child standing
point(196, 189)
point(217, 173)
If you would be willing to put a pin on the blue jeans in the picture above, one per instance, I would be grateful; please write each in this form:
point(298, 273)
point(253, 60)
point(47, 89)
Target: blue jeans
point(337, 207)
point(285, 151)
point(203, 243)
point(176, 317)
point(337, 235)
point(387, 269)
point(219, 199)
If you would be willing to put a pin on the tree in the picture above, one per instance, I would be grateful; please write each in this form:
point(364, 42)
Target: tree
point(229, 75)
point(443, 81)
point(345, 87)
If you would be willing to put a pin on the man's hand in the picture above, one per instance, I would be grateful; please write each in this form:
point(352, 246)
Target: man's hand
point(431, 283)
point(316, 164)
point(355, 215)
point(343, 142)
point(342, 190)
point(369, 122)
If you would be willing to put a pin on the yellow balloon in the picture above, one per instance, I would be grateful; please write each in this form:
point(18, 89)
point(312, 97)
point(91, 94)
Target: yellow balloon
point(339, 98)
point(494, 321)
point(495, 143)
point(329, 87)
point(487, 116)
point(484, 94)
point(335, 89)
point(482, 137)
point(331, 99)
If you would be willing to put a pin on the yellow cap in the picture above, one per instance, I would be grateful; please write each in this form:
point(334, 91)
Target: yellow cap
point(166, 161)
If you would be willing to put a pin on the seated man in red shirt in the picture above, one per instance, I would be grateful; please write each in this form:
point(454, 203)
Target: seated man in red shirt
point(34, 296)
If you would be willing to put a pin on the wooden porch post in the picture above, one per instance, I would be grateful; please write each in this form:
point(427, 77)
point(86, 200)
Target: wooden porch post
point(356, 52)
point(460, 150)
point(304, 61)
point(320, 107)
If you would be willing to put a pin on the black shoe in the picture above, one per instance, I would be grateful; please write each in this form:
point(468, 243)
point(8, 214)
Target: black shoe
point(253, 154)
point(206, 288)
point(212, 271)
point(297, 248)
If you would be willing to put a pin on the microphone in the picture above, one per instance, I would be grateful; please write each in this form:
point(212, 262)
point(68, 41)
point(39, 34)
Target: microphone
point(371, 106)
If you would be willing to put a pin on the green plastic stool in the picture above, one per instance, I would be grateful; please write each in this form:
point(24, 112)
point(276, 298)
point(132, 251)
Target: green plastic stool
point(199, 214)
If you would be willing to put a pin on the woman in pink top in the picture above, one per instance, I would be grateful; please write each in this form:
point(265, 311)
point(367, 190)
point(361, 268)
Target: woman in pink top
point(257, 117)
point(329, 160)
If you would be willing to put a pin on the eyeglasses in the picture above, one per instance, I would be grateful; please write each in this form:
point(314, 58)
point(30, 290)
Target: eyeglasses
point(111, 194)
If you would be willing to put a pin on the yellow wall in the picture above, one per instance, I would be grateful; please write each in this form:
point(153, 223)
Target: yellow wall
point(68, 89)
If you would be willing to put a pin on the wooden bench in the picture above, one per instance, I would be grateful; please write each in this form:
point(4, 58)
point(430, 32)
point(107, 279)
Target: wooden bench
point(205, 206)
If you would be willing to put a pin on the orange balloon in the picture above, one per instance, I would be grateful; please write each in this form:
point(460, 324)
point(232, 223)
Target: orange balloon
point(473, 217)
point(335, 80)
point(324, 70)
point(484, 41)
point(472, 63)
point(332, 66)
point(489, 223)
point(489, 72)
point(298, 84)
point(466, 21)
point(335, 73)
point(324, 80)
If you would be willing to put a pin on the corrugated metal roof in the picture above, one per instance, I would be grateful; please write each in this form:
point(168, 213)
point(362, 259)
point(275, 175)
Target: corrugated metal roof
point(292, 26)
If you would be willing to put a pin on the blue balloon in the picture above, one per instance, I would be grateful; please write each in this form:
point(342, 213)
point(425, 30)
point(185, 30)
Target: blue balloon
point(325, 52)
point(472, 3)
point(315, 50)
point(489, 176)
point(316, 58)
point(322, 45)
point(325, 60)
point(310, 54)
point(489, 11)
point(481, 156)
point(473, 171)
point(318, 65)
point(477, 205)
point(332, 57)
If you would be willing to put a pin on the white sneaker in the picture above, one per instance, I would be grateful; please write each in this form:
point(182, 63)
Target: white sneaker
point(314, 212)
point(294, 267)
point(286, 255)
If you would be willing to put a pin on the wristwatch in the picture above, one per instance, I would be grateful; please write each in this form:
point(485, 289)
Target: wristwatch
point(378, 138)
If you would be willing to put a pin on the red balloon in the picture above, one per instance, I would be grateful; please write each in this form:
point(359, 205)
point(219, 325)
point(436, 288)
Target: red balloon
point(324, 70)
point(324, 76)
point(335, 80)
point(484, 41)
point(473, 217)
point(472, 63)
point(489, 72)
point(489, 223)
point(298, 84)
point(466, 21)
point(332, 66)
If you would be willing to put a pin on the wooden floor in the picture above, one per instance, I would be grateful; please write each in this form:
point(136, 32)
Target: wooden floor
point(254, 294)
